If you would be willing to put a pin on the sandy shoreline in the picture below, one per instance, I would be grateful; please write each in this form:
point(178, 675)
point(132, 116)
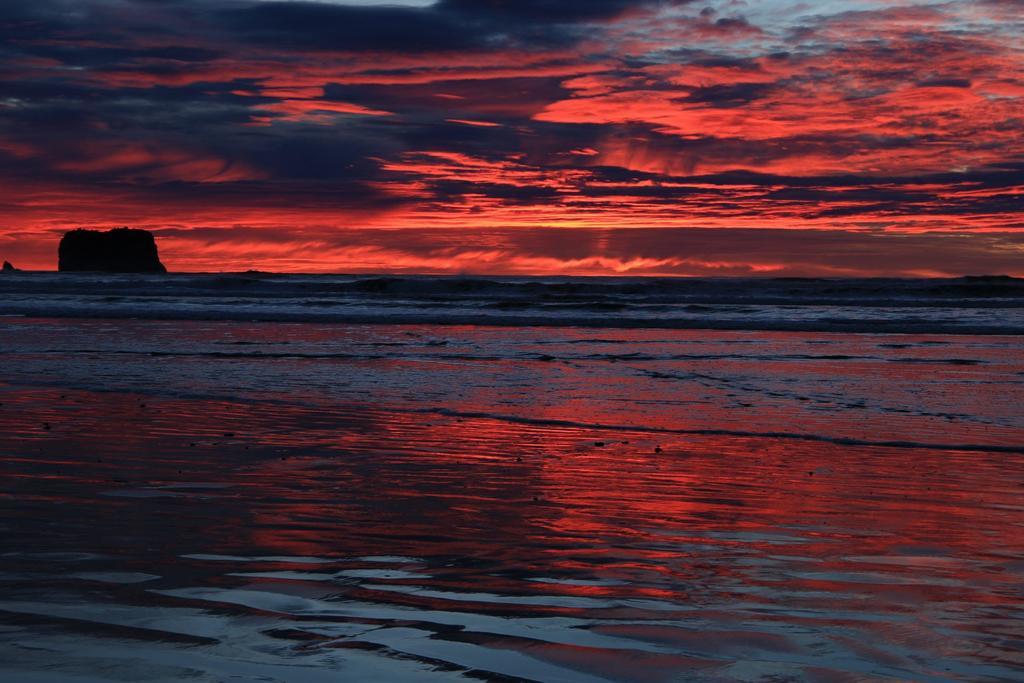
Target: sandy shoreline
point(305, 534)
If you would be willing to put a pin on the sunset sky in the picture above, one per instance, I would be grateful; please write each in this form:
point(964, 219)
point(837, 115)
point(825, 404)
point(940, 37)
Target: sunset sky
point(773, 137)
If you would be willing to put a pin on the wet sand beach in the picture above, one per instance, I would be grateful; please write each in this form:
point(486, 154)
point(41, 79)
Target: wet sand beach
point(242, 501)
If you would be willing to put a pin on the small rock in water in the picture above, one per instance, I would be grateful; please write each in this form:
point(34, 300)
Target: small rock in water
point(657, 449)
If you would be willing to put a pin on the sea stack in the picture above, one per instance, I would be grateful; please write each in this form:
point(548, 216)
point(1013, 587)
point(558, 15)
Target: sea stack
point(8, 268)
point(121, 250)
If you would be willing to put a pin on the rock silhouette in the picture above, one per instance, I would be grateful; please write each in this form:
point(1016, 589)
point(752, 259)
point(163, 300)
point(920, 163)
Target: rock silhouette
point(8, 268)
point(121, 250)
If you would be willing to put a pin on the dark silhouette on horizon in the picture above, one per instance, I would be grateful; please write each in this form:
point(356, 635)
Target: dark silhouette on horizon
point(121, 250)
point(8, 267)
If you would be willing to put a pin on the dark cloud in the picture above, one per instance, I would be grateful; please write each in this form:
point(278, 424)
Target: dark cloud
point(545, 11)
point(501, 98)
point(729, 94)
point(447, 26)
point(446, 190)
point(946, 83)
point(319, 26)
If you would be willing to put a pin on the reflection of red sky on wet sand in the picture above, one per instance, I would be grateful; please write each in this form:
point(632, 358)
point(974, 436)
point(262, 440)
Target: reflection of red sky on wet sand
point(447, 475)
point(723, 524)
point(589, 481)
point(908, 388)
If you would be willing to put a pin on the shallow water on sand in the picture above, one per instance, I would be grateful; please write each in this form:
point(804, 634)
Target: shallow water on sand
point(228, 501)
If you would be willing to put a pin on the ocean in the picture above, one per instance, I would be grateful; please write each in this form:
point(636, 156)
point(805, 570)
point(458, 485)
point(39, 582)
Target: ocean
point(968, 305)
point(262, 477)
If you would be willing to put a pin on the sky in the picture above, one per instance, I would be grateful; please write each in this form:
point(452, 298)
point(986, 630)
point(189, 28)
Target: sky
point(576, 137)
